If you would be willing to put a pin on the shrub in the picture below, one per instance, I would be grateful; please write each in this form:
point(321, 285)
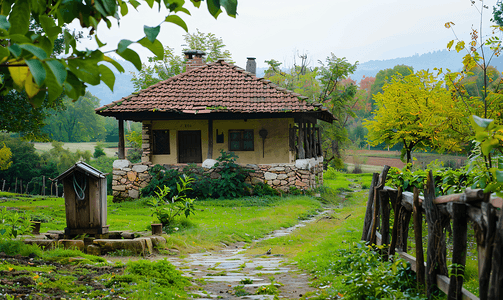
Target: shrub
point(98, 151)
point(263, 189)
point(232, 183)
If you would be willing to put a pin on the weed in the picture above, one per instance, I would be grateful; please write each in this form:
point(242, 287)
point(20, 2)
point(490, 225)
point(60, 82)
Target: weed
point(246, 281)
point(239, 291)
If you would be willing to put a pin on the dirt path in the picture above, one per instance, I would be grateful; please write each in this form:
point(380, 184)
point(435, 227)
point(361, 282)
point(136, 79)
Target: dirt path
point(218, 273)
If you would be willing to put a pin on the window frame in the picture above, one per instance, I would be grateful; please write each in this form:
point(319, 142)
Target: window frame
point(241, 139)
point(154, 142)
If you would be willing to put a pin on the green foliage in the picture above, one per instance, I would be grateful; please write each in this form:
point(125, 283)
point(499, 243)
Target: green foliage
point(77, 122)
point(12, 224)
point(15, 247)
point(26, 54)
point(167, 209)
point(331, 173)
point(160, 272)
point(384, 77)
point(231, 184)
point(98, 151)
point(270, 289)
point(263, 189)
point(5, 158)
point(105, 165)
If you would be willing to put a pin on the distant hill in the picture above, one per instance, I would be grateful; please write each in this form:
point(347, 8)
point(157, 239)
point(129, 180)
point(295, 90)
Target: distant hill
point(437, 59)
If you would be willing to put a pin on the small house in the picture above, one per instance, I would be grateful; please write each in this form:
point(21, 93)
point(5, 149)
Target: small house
point(191, 117)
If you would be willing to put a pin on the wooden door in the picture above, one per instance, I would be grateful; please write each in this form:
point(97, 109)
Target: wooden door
point(189, 147)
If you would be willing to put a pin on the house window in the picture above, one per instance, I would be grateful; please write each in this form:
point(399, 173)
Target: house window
point(241, 140)
point(160, 142)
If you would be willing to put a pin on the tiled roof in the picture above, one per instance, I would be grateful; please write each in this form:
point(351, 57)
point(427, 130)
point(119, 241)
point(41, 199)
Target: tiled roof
point(215, 87)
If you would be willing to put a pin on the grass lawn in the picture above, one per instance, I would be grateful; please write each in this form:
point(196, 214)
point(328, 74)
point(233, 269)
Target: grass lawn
point(73, 147)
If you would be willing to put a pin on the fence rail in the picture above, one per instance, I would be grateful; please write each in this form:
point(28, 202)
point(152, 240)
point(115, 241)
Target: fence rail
point(440, 212)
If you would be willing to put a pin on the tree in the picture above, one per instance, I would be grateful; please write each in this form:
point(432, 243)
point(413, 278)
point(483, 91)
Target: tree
point(384, 76)
point(419, 112)
point(340, 99)
point(162, 68)
point(25, 57)
point(5, 158)
point(78, 122)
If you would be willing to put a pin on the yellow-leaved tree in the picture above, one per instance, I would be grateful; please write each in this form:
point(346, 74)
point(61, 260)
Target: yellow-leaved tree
point(5, 158)
point(419, 112)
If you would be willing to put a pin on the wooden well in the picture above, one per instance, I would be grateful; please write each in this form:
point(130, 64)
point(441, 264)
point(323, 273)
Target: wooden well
point(85, 192)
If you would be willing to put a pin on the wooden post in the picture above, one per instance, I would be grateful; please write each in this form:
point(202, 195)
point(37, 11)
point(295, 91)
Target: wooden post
point(56, 182)
point(496, 285)
point(384, 196)
point(418, 236)
point(311, 140)
point(485, 248)
point(300, 142)
point(459, 231)
point(122, 147)
point(291, 138)
point(403, 227)
point(15, 186)
point(210, 139)
point(368, 214)
point(306, 140)
point(375, 217)
point(3, 185)
point(436, 253)
point(320, 152)
point(394, 233)
point(43, 185)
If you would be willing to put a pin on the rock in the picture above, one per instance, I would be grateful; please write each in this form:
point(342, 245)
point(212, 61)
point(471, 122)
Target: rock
point(143, 184)
point(128, 235)
point(119, 173)
point(277, 169)
point(158, 242)
point(215, 175)
point(121, 164)
point(270, 176)
point(93, 250)
point(282, 176)
point(149, 248)
point(136, 246)
point(300, 183)
point(135, 194)
point(144, 176)
point(256, 180)
point(140, 168)
point(72, 244)
point(119, 188)
point(276, 182)
point(42, 243)
point(209, 163)
point(131, 176)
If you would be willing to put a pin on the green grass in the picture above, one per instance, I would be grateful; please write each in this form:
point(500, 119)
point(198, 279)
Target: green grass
point(73, 147)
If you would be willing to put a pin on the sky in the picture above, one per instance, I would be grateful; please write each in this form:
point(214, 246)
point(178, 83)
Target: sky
point(360, 30)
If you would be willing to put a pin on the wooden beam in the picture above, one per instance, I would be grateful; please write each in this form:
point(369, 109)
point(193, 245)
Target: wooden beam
point(121, 146)
point(300, 142)
point(367, 222)
point(210, 139)
point(459, 232)
point(418, 236)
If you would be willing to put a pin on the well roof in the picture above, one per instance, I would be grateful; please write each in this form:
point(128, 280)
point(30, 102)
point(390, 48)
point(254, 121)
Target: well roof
point(214, 88)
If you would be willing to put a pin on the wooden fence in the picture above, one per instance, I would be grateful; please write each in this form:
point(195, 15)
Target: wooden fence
point(484, 213)
point(47, 186)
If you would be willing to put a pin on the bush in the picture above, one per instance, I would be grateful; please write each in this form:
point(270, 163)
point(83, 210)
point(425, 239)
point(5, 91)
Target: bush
point(232, 183)
point(98, 151)
point(262, 189)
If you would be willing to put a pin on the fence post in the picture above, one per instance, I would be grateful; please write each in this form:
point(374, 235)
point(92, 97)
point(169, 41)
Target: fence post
point(418, 235)
point(15, 186)
point(43, 185)
point(459, 232)
point(436, 253)
point(496, 289)
point(485, 249)
point(384, 196)
point(367, 222)
point(3, 186)
point(394, 233)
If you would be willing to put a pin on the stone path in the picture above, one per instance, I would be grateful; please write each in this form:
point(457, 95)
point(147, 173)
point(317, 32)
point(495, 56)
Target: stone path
point(219, 272)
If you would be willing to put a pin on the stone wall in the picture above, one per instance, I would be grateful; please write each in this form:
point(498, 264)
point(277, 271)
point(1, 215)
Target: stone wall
point(129, 179)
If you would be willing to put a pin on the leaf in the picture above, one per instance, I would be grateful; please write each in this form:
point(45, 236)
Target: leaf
point(214, 7)
point(74, 88)
point(196, 3)
point(152, 32)
point(124, 8)
point(499, 175)
point(107, 76)
point(481, 122)
point(449, 45)
point(58, 70)
point(123, 44)
point(155, 47)
point(49, 26)
point(460, 46)
point(230, 7)
point(4, 23)
point(38, 52)
point(54, 87)
point(150, 3)
point(132, 57)
point(114, 63)
point(134, 3)
point(4, 54)
point(16, 50)
point(178, 21)
point(30, 87)
point(37, 71)
point(20, 17)
point(100, 44)
point(18, 75)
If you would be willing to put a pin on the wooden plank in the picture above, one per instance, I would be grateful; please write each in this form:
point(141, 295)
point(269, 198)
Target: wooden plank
point(385, 212)
point(496, 285)
point(93, 206)
point(375, 216)
point(367, 222)
point(210, 139)
point(121, 146)
point(300, 142)
point(70, 209)
point(103, 201)
point(459, 232)
point(486, 252)
point(394, 233)
point(418, 236)
point(403, 228)
point(436, 253)
point(320, 152)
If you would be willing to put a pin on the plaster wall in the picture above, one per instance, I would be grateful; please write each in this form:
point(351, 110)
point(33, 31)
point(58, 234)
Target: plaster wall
point(274, 150)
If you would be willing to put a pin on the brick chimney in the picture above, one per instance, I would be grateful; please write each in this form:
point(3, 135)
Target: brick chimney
point(251, 65)
point(193, 59)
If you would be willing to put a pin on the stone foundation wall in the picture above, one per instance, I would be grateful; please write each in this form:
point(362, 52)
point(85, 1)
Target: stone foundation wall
point(129, 179)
